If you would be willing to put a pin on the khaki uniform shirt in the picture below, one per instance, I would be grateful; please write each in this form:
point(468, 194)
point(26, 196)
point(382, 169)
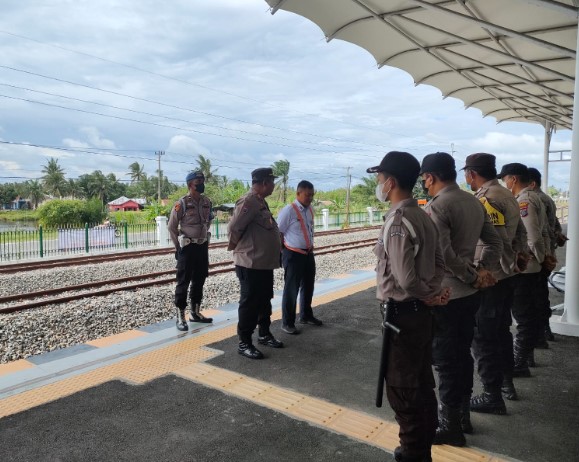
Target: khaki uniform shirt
point(461, 221)
point(533, 216)
point(253, 234)
point(401, 273)
point(551, 214)
point(190, 218)
point(503, 211)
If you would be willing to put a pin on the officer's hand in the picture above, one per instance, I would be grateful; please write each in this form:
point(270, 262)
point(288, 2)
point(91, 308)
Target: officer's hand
point(440, 299)
point(484, 279)
point(561, 239)
point(522, 262)
point(549, 263)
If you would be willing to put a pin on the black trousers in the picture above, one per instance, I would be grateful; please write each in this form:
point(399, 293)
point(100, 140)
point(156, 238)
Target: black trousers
point(409, 380)
point(453, 334)
point(544, 294)
point(528, 311)
point(192, 269)
point(254, 302)
point(299, 277)
point(493, 342)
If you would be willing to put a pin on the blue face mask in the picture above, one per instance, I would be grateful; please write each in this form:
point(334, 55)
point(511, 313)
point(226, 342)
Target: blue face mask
point(200, 188)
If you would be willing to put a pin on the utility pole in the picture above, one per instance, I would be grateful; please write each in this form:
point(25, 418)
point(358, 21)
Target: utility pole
point(159, 154)
point(349, 179)
point(452, 151)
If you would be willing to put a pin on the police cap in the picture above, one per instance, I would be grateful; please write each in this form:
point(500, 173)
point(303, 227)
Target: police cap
point(514, 169)
point(262, 174)
point(439, 162)
point(480, 160)
point(401, 165)
point(534, 174)
point(194, 175)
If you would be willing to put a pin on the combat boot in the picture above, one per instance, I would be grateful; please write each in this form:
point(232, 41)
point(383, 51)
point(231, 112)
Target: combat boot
point(521, 367)
point(489, 401)
point(465, 423)
point(399, 457)
point(449, 430)
point(541, 342)
point(196, 315)
point(508, 389)
point(181, 321)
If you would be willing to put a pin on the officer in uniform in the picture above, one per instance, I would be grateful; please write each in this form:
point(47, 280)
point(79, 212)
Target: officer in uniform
point(189, 230)
point(296, 224)
point(554, 232)
point(461, 221)
point(409, 274)
point(528, 307)
point(493, 342)
point(255, 240)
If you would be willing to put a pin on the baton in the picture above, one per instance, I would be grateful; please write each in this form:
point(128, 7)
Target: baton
point(387, 326)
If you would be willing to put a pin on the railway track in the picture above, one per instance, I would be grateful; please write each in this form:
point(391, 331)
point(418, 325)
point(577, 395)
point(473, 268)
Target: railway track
point(31, 300)
point(88, 260)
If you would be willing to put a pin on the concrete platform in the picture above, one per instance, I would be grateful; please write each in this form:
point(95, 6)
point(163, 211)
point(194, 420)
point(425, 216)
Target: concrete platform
point(156, 394)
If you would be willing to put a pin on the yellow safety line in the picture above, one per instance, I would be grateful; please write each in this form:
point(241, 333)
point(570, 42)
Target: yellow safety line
point(187, 358)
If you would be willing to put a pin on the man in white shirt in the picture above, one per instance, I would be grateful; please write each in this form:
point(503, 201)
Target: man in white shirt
point(296, 224)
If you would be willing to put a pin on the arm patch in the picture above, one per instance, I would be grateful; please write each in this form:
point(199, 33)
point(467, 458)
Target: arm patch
point(524, 209)
point(496, 217)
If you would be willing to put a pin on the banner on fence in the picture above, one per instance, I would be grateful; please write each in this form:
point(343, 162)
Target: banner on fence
point(72, 239)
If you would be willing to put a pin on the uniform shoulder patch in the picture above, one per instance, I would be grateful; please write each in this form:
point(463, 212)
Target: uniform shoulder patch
point(524, 208)
point(177, 206)
point(497, 218)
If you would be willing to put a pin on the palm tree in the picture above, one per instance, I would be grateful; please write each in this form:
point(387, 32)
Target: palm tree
point(137, 172)
point(34, 192)
point(53, 180)
point(281, 169)
point(97, 185)
point(204, 164)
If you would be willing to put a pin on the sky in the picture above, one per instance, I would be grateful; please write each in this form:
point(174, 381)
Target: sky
point(100, 85)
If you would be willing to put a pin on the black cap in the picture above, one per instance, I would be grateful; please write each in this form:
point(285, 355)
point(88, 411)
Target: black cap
point(194, 176)
point(439, 162)
point(513, 169)
point(480, 160)
point(401, 165)
point(534, 174)
point(262, 174)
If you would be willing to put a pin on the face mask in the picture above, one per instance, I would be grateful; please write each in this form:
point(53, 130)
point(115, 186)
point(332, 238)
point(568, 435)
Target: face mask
point(424, 188)
point(380, 194)
point(200, 188)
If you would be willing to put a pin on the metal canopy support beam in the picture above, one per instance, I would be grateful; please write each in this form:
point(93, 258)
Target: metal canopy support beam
point(548, 135)
point(556, 6)
point(568, 323)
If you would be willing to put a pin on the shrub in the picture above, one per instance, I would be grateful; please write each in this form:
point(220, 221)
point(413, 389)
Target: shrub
point(58, 213)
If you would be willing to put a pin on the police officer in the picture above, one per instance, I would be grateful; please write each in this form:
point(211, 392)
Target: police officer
point(461, 222)
point(189, 230)
point(554, 232)
point(296, 224)
point(493, 341)
point(527, 304)
point(255, 240)
point(409, 272)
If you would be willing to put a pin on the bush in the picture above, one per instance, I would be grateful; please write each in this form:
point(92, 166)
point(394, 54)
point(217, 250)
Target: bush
point(58, 213)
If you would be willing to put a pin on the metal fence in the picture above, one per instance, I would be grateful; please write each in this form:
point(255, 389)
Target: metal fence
point(73, 240)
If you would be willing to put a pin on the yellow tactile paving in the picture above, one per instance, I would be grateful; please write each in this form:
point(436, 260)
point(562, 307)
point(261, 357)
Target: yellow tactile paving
point(186, 359)
point(15, 366)
point(115, 339)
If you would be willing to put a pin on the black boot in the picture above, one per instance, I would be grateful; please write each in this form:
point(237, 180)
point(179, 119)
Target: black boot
point(521, 368)
point(541, 342)
point(465, 423)
point(449, 430)
point(489, 401)
point(399, 457)
point(508, 389)
point(181, 321)
point(196, 315)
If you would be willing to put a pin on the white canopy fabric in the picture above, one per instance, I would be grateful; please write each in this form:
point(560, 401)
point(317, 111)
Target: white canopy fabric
point(512, 59)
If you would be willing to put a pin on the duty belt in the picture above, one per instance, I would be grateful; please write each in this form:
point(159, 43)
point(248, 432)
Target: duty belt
point(405, 305)
point(185, 241)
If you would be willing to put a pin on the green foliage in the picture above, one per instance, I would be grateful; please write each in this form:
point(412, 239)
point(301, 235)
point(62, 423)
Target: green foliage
point(60, 212)
point(132, 218)
point(18, 215)
point(553, 192)
point(156, 210)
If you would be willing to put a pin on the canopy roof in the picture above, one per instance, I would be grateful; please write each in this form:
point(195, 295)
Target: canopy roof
point(512, 59)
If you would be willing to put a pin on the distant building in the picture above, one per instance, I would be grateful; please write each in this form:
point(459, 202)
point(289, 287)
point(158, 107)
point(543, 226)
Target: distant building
point(19, 204)
point(124, 204)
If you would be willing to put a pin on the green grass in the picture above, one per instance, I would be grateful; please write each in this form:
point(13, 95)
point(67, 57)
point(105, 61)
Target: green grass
point(18, 215)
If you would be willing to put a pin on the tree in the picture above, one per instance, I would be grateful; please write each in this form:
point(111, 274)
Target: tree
point(8, 192)
point(204, 164)
point(34, 192)
point(74, 189)
point(281, 169)
point(53, 179)
point(137, 172)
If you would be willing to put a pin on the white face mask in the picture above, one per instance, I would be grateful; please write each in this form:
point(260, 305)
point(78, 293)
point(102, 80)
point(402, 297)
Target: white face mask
point(380, 194)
